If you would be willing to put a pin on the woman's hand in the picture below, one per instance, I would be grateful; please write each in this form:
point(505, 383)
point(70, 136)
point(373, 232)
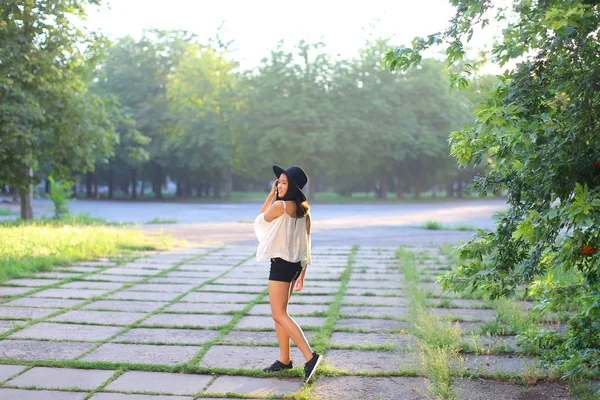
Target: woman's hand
point(299, 284)
point(274, 186)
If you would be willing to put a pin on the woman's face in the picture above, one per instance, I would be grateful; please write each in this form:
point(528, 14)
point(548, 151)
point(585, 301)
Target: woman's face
point(282, 186)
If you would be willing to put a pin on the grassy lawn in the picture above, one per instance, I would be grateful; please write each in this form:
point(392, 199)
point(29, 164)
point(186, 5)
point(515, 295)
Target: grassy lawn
point(322, 197)
point(5, 212)
point(40, 244)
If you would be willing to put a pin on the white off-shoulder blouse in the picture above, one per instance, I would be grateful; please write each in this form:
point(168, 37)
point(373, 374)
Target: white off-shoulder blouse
point(285, 237)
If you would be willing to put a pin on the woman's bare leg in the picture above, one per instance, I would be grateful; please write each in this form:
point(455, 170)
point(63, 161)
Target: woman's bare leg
point(285, 355)
point(279, 294)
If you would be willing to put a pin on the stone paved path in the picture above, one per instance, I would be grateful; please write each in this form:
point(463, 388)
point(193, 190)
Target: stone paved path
point(117, 332)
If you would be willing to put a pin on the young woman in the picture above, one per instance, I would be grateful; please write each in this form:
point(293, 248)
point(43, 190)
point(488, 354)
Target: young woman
point(283, 231)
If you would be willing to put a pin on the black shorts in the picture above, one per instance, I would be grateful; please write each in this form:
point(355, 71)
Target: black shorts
point(284, 271)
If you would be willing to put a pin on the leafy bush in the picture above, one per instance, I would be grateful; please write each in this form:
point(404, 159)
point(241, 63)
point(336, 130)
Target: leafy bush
point(538, 134)
point(59, 195)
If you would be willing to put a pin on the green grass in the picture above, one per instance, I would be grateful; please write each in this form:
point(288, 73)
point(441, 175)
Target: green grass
point(5, 212)
point(322, 197)
point(438, 226)
point(38, 245)
point(161, 221)
point(438, 341)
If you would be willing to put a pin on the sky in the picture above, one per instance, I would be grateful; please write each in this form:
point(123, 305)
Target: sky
point(256, 26)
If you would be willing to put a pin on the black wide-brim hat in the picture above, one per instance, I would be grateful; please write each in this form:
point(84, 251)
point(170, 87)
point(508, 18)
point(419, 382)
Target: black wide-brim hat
point(294, 174)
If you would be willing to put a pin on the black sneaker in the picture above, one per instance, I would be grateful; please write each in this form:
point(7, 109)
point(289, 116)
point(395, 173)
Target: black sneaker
point(278, 366)
point(311, 367)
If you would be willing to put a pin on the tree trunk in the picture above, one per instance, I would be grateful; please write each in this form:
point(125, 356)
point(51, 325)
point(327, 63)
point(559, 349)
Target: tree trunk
point(95, 186)
point(459, 189)
point(400, 182)
point(110, 182)
point(383, 184)
point(75, 190)
point(157, 180)
point(133, 183)
point(228, 182)
point(418, 188)
point(207, 189)
point(218, 188)
point(310, 188)
point(178, 187)
point(88, 185)
point(47, 186)
point(26, 194)
point(142, 189)
point(450, 189)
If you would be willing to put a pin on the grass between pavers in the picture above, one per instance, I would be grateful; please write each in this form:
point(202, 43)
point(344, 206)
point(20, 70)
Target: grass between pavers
point(96, 298)
point(137, 323)
point(438, 342)
point(38, 245)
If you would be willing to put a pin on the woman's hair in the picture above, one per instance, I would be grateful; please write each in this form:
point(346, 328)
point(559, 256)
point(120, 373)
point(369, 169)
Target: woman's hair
point(293, 193)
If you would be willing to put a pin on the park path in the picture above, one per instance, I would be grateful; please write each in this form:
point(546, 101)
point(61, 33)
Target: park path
point(117, 332)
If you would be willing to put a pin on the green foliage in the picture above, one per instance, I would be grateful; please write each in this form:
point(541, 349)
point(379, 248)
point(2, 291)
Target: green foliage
point(48, 117)
point(59, 194)
point(537, 135)
point(6, 212)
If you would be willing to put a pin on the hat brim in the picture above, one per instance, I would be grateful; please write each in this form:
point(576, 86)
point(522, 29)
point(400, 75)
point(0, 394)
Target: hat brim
point(278, 171)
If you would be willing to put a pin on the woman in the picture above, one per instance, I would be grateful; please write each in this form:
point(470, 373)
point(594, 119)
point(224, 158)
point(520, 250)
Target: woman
point(283, 231)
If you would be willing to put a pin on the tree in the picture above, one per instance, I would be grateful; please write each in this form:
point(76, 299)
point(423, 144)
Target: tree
point(538, 134)
point(204, 99)
point(47, 115)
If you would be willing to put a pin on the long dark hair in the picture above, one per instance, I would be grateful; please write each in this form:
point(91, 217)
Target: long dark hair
point(293, 193)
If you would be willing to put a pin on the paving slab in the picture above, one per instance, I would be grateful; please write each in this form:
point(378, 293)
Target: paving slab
point(70, 293)
point(19, 394)
point(113, 278)
point(214, 297)
point(142, 354)
point(480, 389)
point(370, 387)
point(151, 296)
point(99, 317)
point(61, 378)
point(257, 322)
point(194, 281)
point(32, 282)
point(374, 292)
point(497, 363)
point(132, 305)
point(57, 275)
point(131, 271)
point(375, 300)
point(42, 350)
point(293, 309)
point(348, 339)
point(83, 333)
point(159, 382)
point(310, 299)
point(254, 386)
point(93, 285)
point(188, 320)
point(255, 337)
point(371, 325)
point(6, 371)
point(467, 314)
point(192, 274)
point(206, 307)
point(24, 312)
point(372, 361)
point(167, 335)
point(44, 302)
point(7, 325)
point(382, 284)
point(376, 311)
point(246, 357)
point(162, 287)
point(8, 291)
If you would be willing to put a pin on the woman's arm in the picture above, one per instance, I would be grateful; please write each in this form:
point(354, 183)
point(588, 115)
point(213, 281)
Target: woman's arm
point(300, 281)
point(270, 198)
